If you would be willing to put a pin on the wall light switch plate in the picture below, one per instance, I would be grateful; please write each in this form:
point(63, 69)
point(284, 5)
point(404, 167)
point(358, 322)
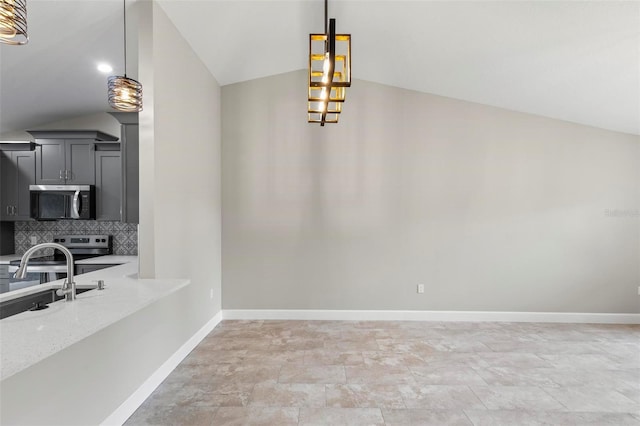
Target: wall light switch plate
point(211, 294)
point(420, 288)
point(34, 240)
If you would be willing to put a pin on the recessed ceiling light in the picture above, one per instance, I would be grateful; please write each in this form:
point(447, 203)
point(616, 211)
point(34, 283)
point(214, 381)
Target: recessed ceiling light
point(105, 68)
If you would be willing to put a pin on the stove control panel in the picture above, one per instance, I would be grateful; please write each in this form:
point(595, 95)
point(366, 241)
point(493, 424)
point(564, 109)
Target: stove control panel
point(83, 241)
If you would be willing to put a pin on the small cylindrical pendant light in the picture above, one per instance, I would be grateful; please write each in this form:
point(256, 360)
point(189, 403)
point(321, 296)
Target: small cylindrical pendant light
point(125, 94)
point(13, 22)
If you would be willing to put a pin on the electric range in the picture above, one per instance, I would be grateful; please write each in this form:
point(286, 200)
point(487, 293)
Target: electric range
point(80, 246)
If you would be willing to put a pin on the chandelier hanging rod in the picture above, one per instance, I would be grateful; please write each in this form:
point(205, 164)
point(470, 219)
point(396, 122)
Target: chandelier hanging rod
point(326, 15)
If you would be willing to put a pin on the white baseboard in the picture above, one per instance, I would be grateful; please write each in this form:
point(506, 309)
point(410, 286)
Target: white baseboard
point(354, 315)
point(127, 408)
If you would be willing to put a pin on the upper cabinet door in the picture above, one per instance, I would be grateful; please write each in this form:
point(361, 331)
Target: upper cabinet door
point(80, 168)
point(50, 162)
point(18, 170)
point(25, 163)
point(108, 185)
point(7, 185)
point(130, 175)
point(69, 161)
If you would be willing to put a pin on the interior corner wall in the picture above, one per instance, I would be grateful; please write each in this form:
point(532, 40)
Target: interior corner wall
point(490, 209)
point(180, 223)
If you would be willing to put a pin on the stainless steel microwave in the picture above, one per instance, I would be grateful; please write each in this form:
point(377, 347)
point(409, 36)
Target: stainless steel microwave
point(53, 202)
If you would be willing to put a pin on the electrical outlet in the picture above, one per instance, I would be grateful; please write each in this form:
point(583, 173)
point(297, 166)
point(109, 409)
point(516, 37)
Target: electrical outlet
point(211, 294)
point(420, 288)
point(639, 290)
point(34, 240)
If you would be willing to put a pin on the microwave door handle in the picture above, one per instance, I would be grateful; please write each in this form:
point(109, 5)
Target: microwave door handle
point(75, 207)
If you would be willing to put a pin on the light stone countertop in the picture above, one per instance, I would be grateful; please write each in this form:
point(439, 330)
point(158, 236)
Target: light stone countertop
point(113, 259)
point(6, 258)
point(29, 337)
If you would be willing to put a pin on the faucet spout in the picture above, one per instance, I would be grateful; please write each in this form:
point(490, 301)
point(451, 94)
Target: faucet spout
point(69, 286)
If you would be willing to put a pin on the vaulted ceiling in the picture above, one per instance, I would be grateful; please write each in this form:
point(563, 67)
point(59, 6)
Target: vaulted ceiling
point(54, 76)
point(577, 61)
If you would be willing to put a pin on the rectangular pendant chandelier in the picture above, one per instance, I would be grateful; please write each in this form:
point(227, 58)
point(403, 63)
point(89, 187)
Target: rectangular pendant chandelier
point(329, 74)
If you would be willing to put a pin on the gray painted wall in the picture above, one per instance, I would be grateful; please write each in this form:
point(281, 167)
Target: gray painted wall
point(180, 206)
point(490, 209)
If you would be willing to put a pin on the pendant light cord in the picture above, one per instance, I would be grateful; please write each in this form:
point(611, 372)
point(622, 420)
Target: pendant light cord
point(124, 25)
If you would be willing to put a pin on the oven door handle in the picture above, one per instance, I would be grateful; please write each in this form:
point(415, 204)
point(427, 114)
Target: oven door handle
point(75, 207)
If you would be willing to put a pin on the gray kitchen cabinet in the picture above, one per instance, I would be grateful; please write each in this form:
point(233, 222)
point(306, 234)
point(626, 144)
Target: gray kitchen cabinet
point(65, 161)
point(80, 157)
point(51, 161)
point(67, 156)
point(84, 269)
point(18, 171)
point(130, 149)
point(130, 173)
point(7, 241)
point(4, 278)
point(108, 167)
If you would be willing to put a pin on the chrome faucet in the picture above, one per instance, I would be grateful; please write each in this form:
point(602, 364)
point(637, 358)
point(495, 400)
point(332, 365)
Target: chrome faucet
point(69, 286)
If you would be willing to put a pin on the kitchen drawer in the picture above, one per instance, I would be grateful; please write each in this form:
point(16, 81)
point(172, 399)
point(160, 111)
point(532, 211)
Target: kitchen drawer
point(83, 269)
point(4, 271)
point(4, 278)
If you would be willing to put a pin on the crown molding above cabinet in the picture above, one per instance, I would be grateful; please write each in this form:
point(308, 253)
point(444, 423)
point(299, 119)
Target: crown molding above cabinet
point(17, 146)
point(73, 134)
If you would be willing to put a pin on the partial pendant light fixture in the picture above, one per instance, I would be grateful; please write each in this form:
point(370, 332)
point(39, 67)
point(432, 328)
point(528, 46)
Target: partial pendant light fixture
point(125, 94)
point(329, 72)
point(13, 22)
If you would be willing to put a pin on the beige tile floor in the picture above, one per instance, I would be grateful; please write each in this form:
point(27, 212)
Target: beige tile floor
point(403, 373)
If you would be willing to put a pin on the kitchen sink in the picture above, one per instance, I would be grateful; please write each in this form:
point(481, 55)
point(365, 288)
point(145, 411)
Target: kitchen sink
point(35, 302)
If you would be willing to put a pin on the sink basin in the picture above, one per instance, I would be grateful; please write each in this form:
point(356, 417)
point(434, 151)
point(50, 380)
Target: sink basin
point(38, 300)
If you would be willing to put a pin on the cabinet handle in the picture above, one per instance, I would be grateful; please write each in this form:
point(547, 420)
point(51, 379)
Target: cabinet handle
point(68, 175)
point(60, 175)
point(13, 211)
